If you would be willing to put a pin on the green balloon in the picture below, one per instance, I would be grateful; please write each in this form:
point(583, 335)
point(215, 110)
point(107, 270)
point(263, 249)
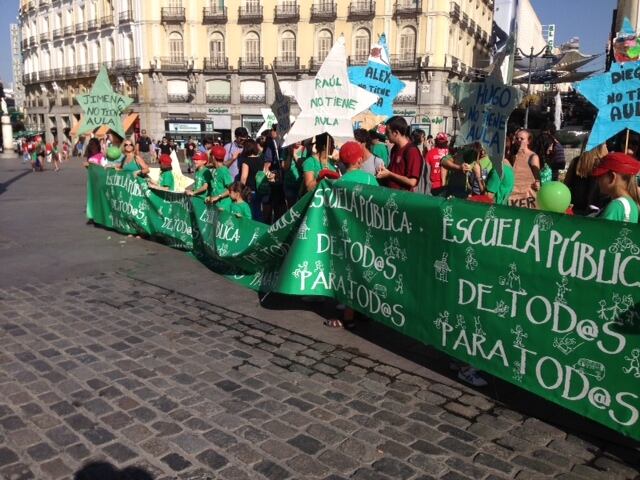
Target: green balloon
point(113, 153)
point(554, 197)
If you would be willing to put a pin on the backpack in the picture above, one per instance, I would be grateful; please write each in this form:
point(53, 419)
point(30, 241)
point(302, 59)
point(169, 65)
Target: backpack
point(424, 181)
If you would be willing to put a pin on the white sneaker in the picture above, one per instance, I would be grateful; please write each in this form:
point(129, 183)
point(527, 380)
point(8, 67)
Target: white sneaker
point(471, 376)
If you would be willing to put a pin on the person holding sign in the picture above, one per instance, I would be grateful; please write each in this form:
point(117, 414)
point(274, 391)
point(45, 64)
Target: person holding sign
point(406, 162)
point(616, 176)
point(131, 162)
point(203, 178)
point(320, 160)
point(352, 155)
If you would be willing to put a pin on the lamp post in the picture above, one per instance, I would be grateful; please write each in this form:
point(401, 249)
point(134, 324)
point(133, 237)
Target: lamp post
point(545, 53)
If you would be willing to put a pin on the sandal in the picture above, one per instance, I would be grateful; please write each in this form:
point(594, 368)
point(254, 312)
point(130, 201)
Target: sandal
point(333, 323)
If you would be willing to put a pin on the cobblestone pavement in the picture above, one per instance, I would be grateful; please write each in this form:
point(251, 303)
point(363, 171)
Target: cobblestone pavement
point(105, 367)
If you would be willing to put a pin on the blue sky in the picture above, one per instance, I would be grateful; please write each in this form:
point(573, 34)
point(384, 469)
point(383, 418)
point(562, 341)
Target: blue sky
point(588, 19)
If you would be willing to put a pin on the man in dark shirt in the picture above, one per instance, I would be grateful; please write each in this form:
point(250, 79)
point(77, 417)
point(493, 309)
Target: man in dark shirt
point(143, 147)
point(406, 161)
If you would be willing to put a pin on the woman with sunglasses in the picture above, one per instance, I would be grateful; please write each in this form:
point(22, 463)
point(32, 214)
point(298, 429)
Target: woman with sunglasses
point(132, 162)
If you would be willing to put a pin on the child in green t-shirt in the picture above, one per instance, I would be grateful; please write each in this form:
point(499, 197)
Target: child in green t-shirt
point(616, 175)
point(222, 180)
point(239, 194)
point(203, 178)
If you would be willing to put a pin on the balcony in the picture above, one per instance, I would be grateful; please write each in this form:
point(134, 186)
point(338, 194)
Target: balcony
point(250, 14)
point(215, 63)
point(70, 72)
point(80, 27)
point(173, 15)
point(44, 37)
point(45, 75)
point(405, 99)
point(70, 30)
point(324, 12)
point(58, 33)
point(251, 63)
point(485, 38)
point(57, 73)
point(357, 59)
point(25, 43)
point(106, 21)
point(362, 10)
point(214, 16)
point(404, 62)
point(44, 3)
point(407, 8)
point(218, 98)
point(125, 16)
point(287, 13)
point(124, 65)
point(454, 12)
point(286, 64)
point(31, 4)
point(315, 63)
point(455, 64)
point(178, 98)
point(93, 24)
point(244, 98)
point(478, 33)
point(464, 22)
point(66, 102)
point(173, 64)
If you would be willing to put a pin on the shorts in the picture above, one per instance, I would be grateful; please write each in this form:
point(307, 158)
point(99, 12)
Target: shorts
point(146, 156)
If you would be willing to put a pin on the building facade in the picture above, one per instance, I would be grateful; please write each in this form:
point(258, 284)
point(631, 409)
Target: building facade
point(196, 65)
point(17, 67)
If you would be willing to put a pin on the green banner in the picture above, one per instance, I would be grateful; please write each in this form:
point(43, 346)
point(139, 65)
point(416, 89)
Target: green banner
point(547, 302)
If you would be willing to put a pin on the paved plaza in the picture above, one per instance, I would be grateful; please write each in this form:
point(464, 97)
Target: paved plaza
point(122, 350)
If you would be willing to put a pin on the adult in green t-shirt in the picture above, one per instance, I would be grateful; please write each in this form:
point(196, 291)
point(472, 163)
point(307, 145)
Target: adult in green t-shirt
point(202, 178)
point(352, 155)
point(500, 188)
point(320, 160)
point(616, 175)
point(222, 179)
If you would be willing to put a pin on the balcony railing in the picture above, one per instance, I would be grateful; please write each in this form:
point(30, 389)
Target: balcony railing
point(216, 63)
point(70, 71)
point(57, 73)
point(93, 24)
point(286, 64)
point(25, 43)
point(106, 21)
point(173, 15)
point(44, 3)
point(405, 99)
point(315, 63)
point(362, 10)
point(125, 64)
point(215, 15)
point(44, 75)
point(80, 27)
point(173, 64)
point(404, 62)
point(472, 26)
point(125, 16)
point(289, 12)
point(44, 37)
point(250, 14)
point(252, 63)
point(324, 12)
point(464, 21)
point(178, 97)
point(454, 11)
point(66, 102)
point(69, 30)
point(57, 33)
point(252, 98)
point(30, 5)
point(407, 8)
point(358, 59)
point(218, 98)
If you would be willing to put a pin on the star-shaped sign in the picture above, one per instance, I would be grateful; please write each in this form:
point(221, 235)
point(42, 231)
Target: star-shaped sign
point(329, 101)
point(376, 77)
point(486, 107)
point(102, 106)
point(615, 95)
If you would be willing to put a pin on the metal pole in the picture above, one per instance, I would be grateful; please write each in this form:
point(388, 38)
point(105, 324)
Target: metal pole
point(526, 115)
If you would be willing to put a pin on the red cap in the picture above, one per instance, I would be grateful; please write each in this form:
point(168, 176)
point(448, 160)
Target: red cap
point(218, 152)
point(165, 160)
point(351, 152)
point(619, 163)
point(442, 138)
point(326, 173)
point(200, 156)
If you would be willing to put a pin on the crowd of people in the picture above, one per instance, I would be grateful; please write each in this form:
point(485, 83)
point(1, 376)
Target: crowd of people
point(38, 153)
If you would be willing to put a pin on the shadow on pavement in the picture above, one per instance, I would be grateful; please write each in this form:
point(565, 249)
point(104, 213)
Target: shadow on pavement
point(505, 393)
point(5, 185)
point(106, 471)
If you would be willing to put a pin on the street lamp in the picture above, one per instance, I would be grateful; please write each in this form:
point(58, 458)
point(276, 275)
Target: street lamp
point(544, 53)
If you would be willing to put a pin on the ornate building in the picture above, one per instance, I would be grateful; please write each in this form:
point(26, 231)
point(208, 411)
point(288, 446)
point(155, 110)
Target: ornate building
point(196, 65)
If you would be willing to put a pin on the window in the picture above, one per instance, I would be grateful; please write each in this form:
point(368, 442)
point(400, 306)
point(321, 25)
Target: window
point(60, 58)
point(325, 42)
point(252, 6)
point(218, 91)
point(110, 54)
point(216, 5)
point(362, 44)
point(216, 46)
point(71, 56)
point(252, 47)
point(288, 47)
point(408, 43)
point(175, 3)
point(176, 47)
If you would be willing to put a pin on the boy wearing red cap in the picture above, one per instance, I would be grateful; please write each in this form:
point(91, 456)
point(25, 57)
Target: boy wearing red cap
point(203, 178)
point(352, 155)
point(222, 179)
point(166, 174)
point(616, 176)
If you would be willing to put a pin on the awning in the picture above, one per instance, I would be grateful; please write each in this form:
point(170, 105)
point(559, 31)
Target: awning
point(127, 124)
point(74, 130)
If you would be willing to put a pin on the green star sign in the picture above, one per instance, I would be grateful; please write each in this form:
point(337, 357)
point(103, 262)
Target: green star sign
point(102, 106)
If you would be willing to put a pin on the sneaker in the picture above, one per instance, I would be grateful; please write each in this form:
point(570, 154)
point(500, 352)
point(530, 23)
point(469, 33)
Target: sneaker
point(471, 376)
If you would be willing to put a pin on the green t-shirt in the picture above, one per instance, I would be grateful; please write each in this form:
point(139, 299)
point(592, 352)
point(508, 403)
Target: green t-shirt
point(358, 176)
point(381, 150)
point(241, 209)
point(501, 187)
point(166, 180)
point(622, 209)
point(292, 176)
point(222, 180)
point(312, 164)
point(203, 177)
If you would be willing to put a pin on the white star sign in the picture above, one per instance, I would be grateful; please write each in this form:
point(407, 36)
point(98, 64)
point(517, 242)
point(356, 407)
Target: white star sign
point(329, 101)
